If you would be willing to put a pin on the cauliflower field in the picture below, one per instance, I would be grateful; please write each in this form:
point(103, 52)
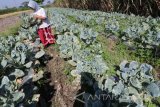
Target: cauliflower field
point(133, 83)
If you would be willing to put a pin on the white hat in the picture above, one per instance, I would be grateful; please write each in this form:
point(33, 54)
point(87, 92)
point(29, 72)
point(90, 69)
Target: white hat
point(33, 5)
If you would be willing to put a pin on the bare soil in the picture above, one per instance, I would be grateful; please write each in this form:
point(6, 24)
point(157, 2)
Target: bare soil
point(8, 20)
point(65, 92)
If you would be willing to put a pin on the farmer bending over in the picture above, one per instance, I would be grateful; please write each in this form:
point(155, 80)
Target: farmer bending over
point(44, 30)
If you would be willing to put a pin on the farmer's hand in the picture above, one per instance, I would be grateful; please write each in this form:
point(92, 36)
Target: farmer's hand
point(39, 17)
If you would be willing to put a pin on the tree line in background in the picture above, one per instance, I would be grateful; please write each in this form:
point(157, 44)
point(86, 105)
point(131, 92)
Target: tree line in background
point(39, 1)
point(137, 7)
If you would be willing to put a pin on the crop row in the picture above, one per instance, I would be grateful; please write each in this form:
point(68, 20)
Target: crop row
point(77, 33)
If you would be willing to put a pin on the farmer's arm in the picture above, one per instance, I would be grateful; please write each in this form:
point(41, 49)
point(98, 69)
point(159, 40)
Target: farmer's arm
point(39, 17)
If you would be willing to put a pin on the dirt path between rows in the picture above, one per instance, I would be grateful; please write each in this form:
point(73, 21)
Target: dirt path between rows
point(65, 92)
point(9, 20)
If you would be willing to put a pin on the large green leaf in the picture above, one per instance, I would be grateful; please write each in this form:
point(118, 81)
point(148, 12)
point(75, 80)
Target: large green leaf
point(109, 83)
point(117, 90)
point(17, 73)
point(4, 62)
point(4, 81)
point(135, 82)
point(40, 54)
point(154, 90)
point(18, 97)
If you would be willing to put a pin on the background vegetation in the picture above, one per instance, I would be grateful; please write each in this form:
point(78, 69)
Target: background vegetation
point(39, 1)
point(11, 10)
point(138, 7)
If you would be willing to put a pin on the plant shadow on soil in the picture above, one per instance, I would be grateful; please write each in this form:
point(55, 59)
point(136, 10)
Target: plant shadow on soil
point(64, 92)
point(104, 98)
point(46, 88)
point(47, 92)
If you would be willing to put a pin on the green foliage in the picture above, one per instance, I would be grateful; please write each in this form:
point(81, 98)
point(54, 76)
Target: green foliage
point(18, 67)
point(150, 104)
point(138, 7)
point(87, 35)
point(69, 44)
point(134, 80)
point(114, 53)
point(141, 43)
point(133, 86)
point(143, 31)
point(10, 10)
point(67, 72)
point(91, 53)
point(39, 1)
point(11, 30)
